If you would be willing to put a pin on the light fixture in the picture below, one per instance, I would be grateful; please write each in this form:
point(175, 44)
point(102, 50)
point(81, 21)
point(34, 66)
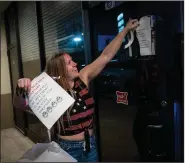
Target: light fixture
point(77, 39)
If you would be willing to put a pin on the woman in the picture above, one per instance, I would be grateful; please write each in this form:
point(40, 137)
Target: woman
point(74, 129)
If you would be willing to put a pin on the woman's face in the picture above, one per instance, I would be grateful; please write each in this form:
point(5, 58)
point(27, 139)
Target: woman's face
point(71, 67)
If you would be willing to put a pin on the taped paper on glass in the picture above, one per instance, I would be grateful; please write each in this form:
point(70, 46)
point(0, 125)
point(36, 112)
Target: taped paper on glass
point(48, 100)
point(145, 35)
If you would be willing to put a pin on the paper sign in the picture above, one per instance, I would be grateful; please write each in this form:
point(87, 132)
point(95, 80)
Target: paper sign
point(144, 33)
point(122, 97)
point(48, 100)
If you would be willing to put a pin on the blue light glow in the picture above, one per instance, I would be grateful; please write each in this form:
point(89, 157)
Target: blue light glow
point(120, 16)
point(77, 39)
point(120, 23)
point(177, 130)
point(121, 28)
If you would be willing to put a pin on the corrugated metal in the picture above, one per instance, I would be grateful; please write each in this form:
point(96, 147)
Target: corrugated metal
point(28, 31)
point(59, 20)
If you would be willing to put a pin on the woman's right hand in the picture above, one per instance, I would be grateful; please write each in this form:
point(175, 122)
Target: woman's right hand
point(132, 24)
point(24, 83)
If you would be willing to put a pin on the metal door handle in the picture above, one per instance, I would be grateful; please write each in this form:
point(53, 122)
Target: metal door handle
point(163, 103)
point(155, 126)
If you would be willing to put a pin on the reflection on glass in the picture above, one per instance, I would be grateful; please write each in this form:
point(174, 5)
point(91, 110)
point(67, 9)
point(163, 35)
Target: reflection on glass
point(121, 28)
point(72, 41)
point(120, 16)
point(120, 23)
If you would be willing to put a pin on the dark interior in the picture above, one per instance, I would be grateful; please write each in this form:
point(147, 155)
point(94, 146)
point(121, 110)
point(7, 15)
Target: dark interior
point(124, 130)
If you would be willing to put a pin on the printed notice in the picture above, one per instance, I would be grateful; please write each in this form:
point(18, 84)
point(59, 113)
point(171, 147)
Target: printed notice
point(144, 36)
point(48, 100)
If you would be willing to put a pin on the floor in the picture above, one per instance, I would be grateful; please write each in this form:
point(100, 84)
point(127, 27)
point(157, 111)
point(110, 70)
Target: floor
point(116, 128)
point(13, 145)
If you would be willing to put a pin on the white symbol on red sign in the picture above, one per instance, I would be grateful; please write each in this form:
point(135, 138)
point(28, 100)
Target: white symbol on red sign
point(122, 97)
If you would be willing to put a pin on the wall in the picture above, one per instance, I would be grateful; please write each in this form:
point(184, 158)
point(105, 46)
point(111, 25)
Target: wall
point(6, 102)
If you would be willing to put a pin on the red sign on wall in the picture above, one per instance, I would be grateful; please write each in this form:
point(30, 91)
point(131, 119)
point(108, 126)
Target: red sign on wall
point(122, 97)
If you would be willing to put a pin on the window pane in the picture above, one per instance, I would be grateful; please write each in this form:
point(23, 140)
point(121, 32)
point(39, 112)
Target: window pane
point(62, 23)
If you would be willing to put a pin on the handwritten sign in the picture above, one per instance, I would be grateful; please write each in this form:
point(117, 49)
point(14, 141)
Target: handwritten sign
point(48, 100)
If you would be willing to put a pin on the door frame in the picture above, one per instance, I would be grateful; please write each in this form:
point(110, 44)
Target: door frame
point(19, 57)
point(89, 44)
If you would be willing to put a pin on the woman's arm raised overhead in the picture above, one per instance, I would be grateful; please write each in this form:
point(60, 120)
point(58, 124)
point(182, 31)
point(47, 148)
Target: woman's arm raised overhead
point(92, 70)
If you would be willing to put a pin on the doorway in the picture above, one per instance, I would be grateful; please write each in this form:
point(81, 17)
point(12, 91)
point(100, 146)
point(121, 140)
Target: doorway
point(116, 119)
point(14, 62)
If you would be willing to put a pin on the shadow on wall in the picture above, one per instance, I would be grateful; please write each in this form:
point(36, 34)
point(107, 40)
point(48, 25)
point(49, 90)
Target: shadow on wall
point(6, 111)
point(6, 102)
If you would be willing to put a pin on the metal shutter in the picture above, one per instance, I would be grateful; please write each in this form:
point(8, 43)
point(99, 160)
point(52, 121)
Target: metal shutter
point(28, 31)
point(61, 20)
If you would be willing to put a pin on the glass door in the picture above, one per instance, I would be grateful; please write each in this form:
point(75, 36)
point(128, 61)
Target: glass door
point(116, 115)
point(138, 78)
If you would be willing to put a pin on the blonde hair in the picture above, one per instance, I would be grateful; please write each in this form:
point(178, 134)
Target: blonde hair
point(56, 67)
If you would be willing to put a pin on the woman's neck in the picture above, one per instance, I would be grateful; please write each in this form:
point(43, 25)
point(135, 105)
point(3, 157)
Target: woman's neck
point(71, 83)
